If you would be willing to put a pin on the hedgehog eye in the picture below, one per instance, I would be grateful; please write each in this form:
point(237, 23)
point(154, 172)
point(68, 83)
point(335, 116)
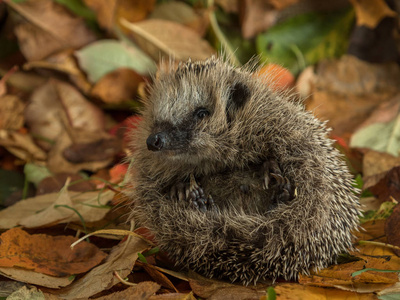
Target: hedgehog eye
point(201, 113)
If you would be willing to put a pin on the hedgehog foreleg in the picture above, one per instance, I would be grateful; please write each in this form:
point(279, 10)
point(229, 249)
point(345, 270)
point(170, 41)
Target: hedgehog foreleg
point(192, 192)
point(198, 198)
point(282, 189)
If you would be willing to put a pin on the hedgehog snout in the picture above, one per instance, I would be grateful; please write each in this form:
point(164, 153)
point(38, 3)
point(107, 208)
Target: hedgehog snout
point(155, 142)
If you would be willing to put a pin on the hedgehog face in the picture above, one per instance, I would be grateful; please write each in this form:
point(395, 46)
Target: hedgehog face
point(191, 112)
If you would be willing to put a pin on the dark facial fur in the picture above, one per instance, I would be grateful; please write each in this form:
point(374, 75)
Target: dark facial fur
point(221, 125)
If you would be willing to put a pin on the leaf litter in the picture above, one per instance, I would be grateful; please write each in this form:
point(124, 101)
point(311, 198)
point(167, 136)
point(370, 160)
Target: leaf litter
point(66, 115)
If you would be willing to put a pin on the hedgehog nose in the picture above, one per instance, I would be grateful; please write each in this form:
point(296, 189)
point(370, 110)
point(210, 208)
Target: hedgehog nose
point(155, 142)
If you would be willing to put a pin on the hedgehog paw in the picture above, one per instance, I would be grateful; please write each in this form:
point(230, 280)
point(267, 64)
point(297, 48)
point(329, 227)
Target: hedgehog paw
point(281, 187)
point(197, 197)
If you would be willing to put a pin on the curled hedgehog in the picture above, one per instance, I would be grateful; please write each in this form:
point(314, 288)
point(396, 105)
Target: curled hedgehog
point(237, 181)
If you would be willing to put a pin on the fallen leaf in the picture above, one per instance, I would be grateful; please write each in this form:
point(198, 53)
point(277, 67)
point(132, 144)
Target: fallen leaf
point(27, 293)
point(293, 291)
point(50, 255)
point(277, 77)
point(54, 183)
point(118, 172)
point(256, 16)
point(32, 277)
point(157, 276)
point(174, 296)
point(24, 81)
point(108, 11)
point(142, 291)
point(11, 112)
point(97, 150)
point(306, 39)
point(348, 90)
point(182, 13)
point(159, 37)
point(64, 62)
point(392, 229)
point(121, 259)
point(22, 146)
point(36, 173)
point(32, 211)
point(117, 86)
point(76, 141)
point(3, 81)
point(119, 55)
point(376, 165)
point(380, 131)
point(387, 185)
point(48, 23)
point(370, 13)
point(57, 105)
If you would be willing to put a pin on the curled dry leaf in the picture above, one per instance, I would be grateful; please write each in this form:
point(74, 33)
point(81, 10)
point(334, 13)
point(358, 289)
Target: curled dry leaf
point(65, 62)
point(57, 105)
point(141, 291)
point(121, 259)
point(108, 11)
point(182, 13)
point(117, 86)
point(46, 254)
point(22, 146)
point(32, 277)
point(48, 23)
point(41, 211)
point(11, 112)
point(160, 37)
point(347, 91)
point(392, 229)
point(77, 150)
point(370, 13)
point(158, 277)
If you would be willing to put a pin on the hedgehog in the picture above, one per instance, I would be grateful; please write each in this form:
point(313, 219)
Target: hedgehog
point(237, 181)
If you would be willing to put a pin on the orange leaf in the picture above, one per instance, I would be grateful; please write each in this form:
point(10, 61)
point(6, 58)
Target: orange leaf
point(279, 77)
point(46, 254)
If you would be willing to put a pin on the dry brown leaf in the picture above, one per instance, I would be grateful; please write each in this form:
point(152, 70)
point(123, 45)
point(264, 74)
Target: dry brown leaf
point(50, 24)
point(160, 37)
point(3, 80)
point(392, 229)
point(105, 11)
point(57, 105)
point(108, 11)
point(142, 291)
point(22, 146)
point(121, 259)
point(58, 162)
point(370, 13)
point(158, 277)
point(376, 165)
point(65, 62)
point(54, 183)
point(348, 90)
point(11, 112)
point(32, 212)
point(206, 288)
point(32, 277)
point(387, 184)
point(24, 81)
point(293, 291)
point(50, 255)
point(182, 13)
point(117, 86)
point(230, 6)
point(174, 296)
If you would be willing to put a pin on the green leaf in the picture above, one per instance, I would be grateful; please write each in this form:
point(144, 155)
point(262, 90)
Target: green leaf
point(102, 57)
point(306, 39)
point(271, 293)
point(10, 182)
point(383, 137)
point(35, 173)
point(142, 258)
point(372, 269)
point(395, 296)
point(78, 8)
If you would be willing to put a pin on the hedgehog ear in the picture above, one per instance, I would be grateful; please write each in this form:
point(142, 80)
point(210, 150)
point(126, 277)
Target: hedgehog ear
point(238, 97)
